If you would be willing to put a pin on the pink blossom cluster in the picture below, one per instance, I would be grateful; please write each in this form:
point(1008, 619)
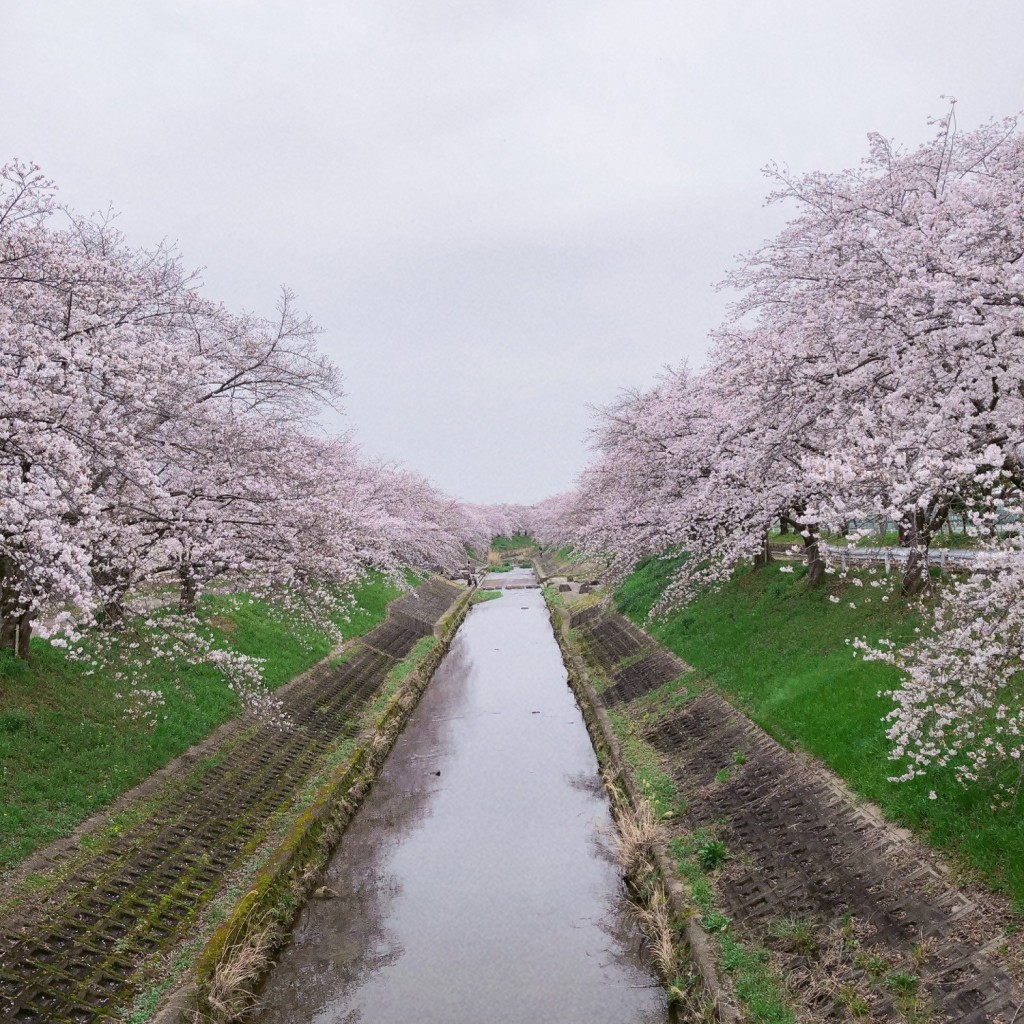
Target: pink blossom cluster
point(959, 703)
point(149, 437)
point(871, 369)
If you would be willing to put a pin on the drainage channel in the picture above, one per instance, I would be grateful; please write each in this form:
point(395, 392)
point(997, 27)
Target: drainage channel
point(477, 881)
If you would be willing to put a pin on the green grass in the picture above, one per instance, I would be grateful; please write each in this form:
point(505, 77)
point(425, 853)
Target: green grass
point(780, 652)
point(756, 983)
point(423, 647)
point(639, 592)
point(66, 748)
point(698, 855)
point(515, 543)
point(479, 596)
point(657, 704)
point(946, 538)
point(658, 788)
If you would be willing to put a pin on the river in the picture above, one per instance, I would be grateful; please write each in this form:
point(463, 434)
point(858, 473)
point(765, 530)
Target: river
point(477, 883)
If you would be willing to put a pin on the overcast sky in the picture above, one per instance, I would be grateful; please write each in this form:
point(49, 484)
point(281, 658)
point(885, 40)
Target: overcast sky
point(499, 211)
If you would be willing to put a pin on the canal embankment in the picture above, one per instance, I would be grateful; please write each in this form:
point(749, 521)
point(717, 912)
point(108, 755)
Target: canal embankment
point(688, 965)
point(808, 904)
point(89, 729)
point(175, 897)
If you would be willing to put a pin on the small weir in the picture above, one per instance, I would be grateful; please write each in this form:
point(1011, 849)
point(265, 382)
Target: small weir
point(476, 883)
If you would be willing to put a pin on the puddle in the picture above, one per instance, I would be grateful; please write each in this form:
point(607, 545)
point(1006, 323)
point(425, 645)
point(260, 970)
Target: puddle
point(476, 883)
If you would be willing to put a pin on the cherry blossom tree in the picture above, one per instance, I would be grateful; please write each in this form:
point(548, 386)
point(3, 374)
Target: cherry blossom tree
point(890, 310)
point(872, 368)
point(146, 431)
point(77, 381)
point(125, 395)
point(961, 699)
point(689, 466)
point(552, 521)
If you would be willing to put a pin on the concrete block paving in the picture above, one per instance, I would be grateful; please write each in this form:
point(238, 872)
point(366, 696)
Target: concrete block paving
point(73, 960)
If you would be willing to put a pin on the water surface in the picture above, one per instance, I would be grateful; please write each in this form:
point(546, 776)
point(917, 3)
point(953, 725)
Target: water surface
point(476, 882)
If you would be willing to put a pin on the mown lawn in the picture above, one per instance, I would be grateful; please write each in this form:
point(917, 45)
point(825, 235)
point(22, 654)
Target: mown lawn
point(781, 652)
point(67, 749)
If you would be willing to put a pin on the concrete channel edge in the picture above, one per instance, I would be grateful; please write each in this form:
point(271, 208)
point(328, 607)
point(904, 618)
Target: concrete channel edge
point(218, 988)
point(697, 943)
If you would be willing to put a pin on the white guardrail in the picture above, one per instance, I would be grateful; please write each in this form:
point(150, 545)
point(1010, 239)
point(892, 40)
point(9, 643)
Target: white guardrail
point(955, 558)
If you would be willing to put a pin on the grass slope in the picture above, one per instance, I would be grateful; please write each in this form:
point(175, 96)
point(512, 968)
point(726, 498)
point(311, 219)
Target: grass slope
point(515, 543)
point(780, 652)
point(66, 748)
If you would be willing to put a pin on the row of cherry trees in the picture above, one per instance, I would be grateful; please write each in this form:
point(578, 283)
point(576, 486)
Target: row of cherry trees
point(148, 435)
point(872, 369)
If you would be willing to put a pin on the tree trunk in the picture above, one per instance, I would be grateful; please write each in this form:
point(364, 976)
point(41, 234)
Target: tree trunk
point(113, 613)
point(787, 524)
point(109, 585)
point(920, 528)
point(815, 563)
point(916, 578)
point(15, 619)
point(189, 590)
point(764, 556)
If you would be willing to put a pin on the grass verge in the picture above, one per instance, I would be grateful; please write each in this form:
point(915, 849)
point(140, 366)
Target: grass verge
point(780, 651)
point(66, 748)
point(519, 542)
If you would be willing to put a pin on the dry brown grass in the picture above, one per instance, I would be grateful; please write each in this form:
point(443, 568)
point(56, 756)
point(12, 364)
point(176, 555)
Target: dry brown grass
point(847, 972)
point(231, 988)
point(638, 830)
point(610, 779)
point(691, 1004)
point(310, 873)
point(683, 986)
point(656, 919)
